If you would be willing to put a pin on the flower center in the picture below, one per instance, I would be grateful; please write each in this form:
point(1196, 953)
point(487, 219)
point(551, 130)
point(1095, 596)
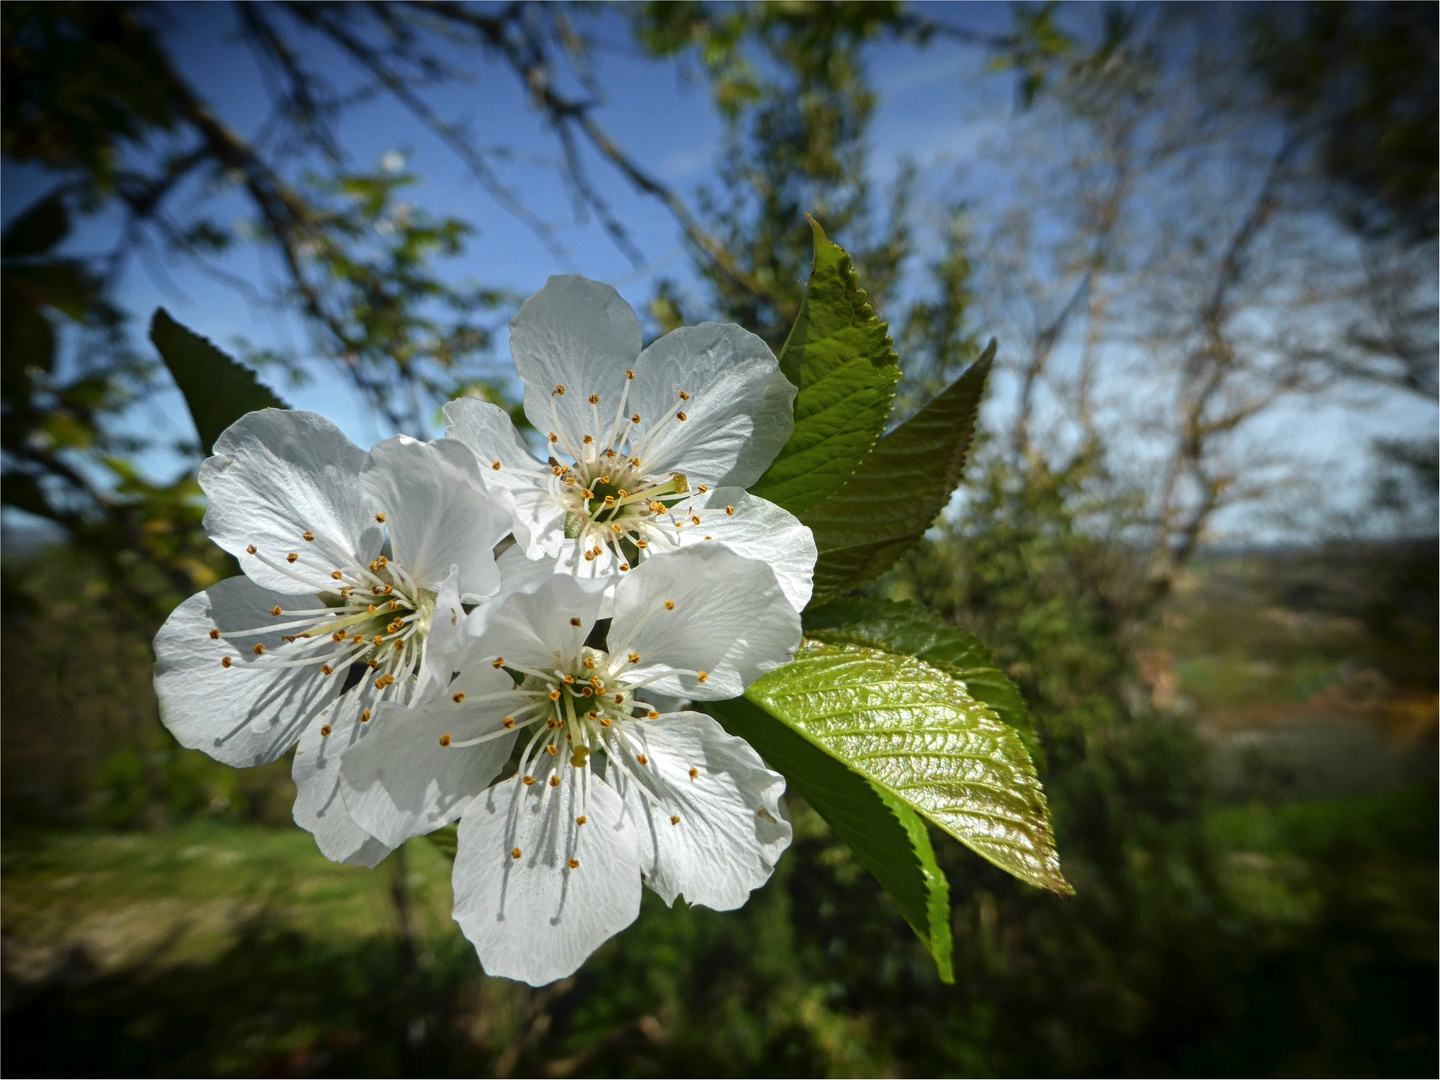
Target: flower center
point(612, 500)
point(376, 616)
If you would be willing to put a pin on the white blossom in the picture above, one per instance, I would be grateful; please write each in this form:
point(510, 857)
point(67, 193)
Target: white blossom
point(606, 789)
point(352, 563)
point(649, 451)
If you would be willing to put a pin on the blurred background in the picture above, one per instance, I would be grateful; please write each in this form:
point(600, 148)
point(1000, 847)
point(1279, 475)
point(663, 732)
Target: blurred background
point(1199, 529)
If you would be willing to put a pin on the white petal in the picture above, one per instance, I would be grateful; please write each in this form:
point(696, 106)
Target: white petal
point(729, 619)
point(535, 918)
point(319, 806)
point(757, 530)
point(739, 414)
point(541, 625)
point(731, 829)
point(276, 474)
point(447, 643)
point(437, 510)
point(252, 711)
point(400, 781)
point(538, 518)
point(579, 334)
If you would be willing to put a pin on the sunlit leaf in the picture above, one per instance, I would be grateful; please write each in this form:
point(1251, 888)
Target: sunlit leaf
point(914, 731)
point(843, 361)
point(915, 630)
point(896, 493)
point(888, 838)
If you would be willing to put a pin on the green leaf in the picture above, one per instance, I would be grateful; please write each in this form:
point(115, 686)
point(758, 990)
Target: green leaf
point(217, 389)
point(897, 492)
point(888, 838)
point(843, 361)
point(915, 732)
point(915, 630)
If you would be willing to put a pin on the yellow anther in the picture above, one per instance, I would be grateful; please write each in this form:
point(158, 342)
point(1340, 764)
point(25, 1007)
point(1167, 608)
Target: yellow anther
point(444, 740)
point(308, 536)
point(380, 518)
point(380, 682)
point(597, 682)
point(554, 780)
point(498, 662)
point(394, 604)
point(642, 544)
point(556, 470)
point(574, 621)
point(594, 399)
point(324, 731)
point(609, 500)
point(381, 560)
point(529, 780)
point(551, 749)
point(580, 820)
point(589, 556)
point(515, 853)
point(251, 549)
point(559, 389)
point(702, 676)
point(674, 819)
point(589, 663)
point(635, 418)
point(388, 588)
point(642, 759)
point(684, 396)
point(372, 664)
point(554, 695)
point(509, 721)
point(338, 635)
point(554, 438)
point(358, 638)
point(214, 635)
point(568, 680)
point(587, 440)
point(669, 605)
point(585, 691)
point(225, 661)
point(694, 520)
point(679, 524)
point(336, 575)
point(624, 566)
point(680, 416)
point(730, 510)
point(702, 489)
point(552, 723)
point(495, 465)
point(635, 461)
point(694, 773)
point(259, 648)
point(604, 722)
point(326, 669)
point(634, 658)
point(364, 716)
point(616, 529)
point(458, 696)
point(573, 863)
point(629, 374)
point(372, 609)
point(291, 557)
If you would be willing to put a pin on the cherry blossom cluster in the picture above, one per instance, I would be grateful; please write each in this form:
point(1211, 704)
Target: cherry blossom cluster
point(466, 630)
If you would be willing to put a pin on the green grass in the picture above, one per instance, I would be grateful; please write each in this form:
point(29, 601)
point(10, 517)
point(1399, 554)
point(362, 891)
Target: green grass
point(186, 895)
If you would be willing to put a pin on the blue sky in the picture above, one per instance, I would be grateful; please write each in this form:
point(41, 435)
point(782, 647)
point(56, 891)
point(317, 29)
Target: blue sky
point(939, 107)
